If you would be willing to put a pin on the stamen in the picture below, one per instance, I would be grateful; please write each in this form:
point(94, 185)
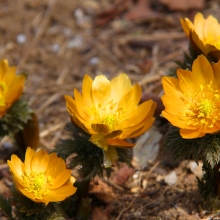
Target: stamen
point(2, 102)
point(109, 115)
point(3, 88)
point(36, 183)
point(203, 106)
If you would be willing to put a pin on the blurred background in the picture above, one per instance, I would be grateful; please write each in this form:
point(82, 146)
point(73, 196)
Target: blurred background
point(56, 42)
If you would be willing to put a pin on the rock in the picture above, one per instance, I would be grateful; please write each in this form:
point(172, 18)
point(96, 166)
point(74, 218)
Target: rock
point(21, 38)
point(75, 42)
point(171, 178)
point(146, 148)
point(196, 168)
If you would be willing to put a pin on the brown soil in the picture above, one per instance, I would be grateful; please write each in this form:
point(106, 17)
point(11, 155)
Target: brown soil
point(58, 42)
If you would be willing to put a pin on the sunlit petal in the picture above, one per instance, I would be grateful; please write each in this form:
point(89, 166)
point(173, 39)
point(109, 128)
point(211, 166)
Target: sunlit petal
point(204, 34)
point(120, 86)
point(42, 176)
point(11, 86)
point(109, 111)
point(192, 101)
point(101, 91)
point(40, 161)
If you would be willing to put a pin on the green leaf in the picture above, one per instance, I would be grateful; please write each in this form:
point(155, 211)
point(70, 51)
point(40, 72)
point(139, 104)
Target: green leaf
point(206, 148)
point(5, 206)
point(27, 209)
point(15, 118)
point(86, 154)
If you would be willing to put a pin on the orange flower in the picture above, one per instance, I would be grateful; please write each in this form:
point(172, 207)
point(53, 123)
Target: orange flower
point(109, 112)
point(192, 101)
point(42, 177)
point(11, 86)
point(204, 34)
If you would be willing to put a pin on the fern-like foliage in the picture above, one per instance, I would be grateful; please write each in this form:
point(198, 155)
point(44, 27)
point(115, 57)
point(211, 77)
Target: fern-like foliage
point(186, 64)
point(209, 186)
point(206, 148)
point(188, 59)
point(27, 209)
point(15, 118)
point(205, 185)
point(87, 155)
point(5, 206)
point(56, 216)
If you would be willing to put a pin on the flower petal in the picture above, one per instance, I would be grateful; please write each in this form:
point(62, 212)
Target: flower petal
point(211, 29)
point(61, 193)
point(56, 166)
point(62, 178)
point(82, 109)
point(178, 121)
point(216, 73)
point(100, 128)
point(141, 127)
point(87, 90)
point(82, 122)
point(189, 134)
point(40, 162)
point(187, 26)
point(15, 90)
point(202, 71)
point(138, 114)
point(120, 85)
point(28, 158)
point(101, 91)
point(120, 143)
point(16, 167)
point(171, 86)
point(130, 100)
point(199, 22)
point(145, 127)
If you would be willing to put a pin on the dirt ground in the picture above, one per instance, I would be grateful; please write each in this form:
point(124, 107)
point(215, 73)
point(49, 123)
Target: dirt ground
point(57, 42)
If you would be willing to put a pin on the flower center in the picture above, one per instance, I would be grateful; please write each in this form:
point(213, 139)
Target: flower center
point(203, 106)
point(3, 90)
point(110, 121)
point(36, 183)
point(109, 114)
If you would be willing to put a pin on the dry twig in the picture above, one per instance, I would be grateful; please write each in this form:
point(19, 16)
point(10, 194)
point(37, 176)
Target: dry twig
point(125, 209)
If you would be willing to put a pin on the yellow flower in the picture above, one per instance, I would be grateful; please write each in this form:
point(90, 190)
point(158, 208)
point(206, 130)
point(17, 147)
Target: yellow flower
point(42, 177)
point(192, 101)
point(109, 112)
point(11, 86)
point(204, 34)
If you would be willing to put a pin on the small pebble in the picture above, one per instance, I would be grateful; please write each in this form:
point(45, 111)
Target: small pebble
point(171, 178)
point(21, 38)
point(55, 47)
point(135, 176)
point(196, 168)
point(75, 42)
point(94, 61)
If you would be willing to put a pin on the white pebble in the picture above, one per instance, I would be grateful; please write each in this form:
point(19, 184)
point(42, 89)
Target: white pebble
point(196, 168)
point(21, 38)
point(171, 178)
point(55, 47)
point(94, 61)
point(75, 42)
